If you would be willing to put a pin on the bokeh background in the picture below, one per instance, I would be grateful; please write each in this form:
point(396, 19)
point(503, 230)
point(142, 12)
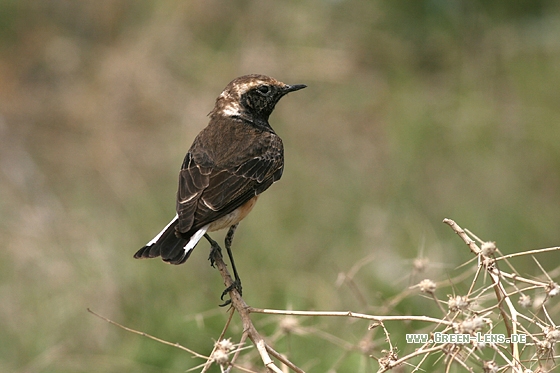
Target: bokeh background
point(415, 111)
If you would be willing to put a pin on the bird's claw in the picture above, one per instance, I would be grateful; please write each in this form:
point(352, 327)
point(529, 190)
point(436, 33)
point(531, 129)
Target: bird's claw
point(236, 285)
point(215, 252)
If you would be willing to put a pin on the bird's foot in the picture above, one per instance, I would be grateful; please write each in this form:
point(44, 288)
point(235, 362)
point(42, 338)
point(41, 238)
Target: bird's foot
point(215, 251)
point(236, 285)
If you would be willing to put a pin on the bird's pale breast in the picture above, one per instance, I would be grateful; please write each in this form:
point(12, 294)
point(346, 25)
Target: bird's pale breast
point(233, 217)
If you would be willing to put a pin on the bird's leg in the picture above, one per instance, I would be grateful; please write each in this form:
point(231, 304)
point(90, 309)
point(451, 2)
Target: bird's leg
point(215, 249)
point(237, 281)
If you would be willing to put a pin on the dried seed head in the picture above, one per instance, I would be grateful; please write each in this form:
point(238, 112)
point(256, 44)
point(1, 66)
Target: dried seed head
point(366, 346)
point(386, 362)
point(553, 289)
point(544, 347)
point(552, 334)
point(490, 366)
point(220, 357)
point(225, 344)
point(221, 353)
point(538, 301)
point(289, 324)
point(420, 264)
point(458, 303)
point(478, 345)
point(524, 301)
point(471, 325)
point(427, 286)
point(488, 248)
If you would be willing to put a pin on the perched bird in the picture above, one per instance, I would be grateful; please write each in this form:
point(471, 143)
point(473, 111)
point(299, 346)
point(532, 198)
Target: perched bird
point(231, 161)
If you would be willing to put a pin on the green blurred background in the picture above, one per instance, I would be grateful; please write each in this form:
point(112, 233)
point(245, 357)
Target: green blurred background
point(415, 111)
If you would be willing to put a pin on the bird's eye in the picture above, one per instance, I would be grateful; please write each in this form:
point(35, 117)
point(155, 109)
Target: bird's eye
point(264, 89)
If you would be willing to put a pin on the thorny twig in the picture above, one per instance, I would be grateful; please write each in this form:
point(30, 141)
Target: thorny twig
point(465, 315)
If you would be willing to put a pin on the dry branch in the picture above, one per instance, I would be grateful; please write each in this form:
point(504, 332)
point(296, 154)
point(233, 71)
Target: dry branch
point(486, 305)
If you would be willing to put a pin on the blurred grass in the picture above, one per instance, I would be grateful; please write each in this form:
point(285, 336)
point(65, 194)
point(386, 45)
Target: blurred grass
point(414, 112)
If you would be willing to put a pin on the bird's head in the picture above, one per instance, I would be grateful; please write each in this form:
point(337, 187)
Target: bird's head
point(252, 97)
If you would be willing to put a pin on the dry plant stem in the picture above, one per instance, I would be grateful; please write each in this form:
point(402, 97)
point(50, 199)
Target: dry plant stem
point(529, 252)
point(241, 343)
point(515, 277)
point(337, 341)
point(282, 358)
point(509, 321)
point(351, 314)
point(242, 308)
point(478, 269)
point(348, 278)
point(196, 354)
point(417, 367)
point(410, 356)
point(209, 361)
point(445, 313)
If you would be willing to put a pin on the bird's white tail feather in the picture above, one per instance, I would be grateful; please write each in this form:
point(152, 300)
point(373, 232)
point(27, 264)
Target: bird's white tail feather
point(156, 238)
point(194, 240)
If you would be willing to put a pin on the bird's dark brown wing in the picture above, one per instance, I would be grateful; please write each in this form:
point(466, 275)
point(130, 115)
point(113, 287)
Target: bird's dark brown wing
point(209, 191)
point(194, 178)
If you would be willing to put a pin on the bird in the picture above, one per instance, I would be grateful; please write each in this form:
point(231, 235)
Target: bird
point(235, 158)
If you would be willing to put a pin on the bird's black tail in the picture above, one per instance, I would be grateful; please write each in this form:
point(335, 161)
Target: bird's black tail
point(172, 249)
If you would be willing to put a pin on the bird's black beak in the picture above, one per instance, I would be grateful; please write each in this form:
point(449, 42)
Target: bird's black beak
point(292, 88)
